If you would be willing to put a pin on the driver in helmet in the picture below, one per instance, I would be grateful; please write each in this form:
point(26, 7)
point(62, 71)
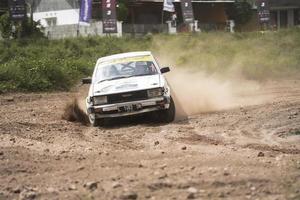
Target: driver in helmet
point(113, 71)
point(140, 68)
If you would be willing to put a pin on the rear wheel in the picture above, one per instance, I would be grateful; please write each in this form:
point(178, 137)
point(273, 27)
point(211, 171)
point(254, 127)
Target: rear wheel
point(168, 115)
point(94, 121)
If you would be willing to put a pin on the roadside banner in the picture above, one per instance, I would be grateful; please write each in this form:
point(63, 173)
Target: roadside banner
point(187, 11)
point(109, 16)
point(85, 11)
point(17, 10)
point(169, 6)
point(263, 11)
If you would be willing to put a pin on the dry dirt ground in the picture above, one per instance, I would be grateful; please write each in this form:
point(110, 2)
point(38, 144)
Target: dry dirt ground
point(250, 152)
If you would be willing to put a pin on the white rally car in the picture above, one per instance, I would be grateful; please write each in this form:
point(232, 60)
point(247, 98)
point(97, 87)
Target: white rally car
point(128, 84)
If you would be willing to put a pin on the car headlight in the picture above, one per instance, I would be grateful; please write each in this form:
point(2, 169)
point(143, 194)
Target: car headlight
point(99, 100)
point(155, 92)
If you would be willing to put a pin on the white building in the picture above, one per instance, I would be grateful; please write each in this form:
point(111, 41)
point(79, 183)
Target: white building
point(285, 13)
point(60, 19)
point(56, 12)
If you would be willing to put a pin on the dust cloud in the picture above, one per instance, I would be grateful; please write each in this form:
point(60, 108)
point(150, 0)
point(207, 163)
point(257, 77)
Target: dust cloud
point(197, 92)
point(194, 92)
point(75, 110)
point(201, 82)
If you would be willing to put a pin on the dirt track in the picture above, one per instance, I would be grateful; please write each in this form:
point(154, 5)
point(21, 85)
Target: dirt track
point(250, 152)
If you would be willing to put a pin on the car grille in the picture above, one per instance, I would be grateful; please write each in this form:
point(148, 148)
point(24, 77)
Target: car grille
point(127, 96)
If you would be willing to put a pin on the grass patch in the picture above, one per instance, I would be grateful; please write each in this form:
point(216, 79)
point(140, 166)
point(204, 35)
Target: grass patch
point(295, 132)
point(43, 65)
point(254, 55)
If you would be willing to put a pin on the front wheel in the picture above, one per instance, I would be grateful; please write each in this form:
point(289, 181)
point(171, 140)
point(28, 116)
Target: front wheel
point(94, 121)
point(168, 115)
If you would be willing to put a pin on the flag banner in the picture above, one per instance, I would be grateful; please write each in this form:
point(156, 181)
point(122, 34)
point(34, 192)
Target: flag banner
point(263, 11)
point(109, 16)
point(85, 11)
point(17, 10)
point(187, 11)
point(169, 6)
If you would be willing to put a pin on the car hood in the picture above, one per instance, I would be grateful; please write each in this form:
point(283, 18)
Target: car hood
point(126, 84)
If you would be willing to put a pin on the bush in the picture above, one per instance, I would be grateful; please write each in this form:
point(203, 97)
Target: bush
point(122, 10)
point(240, 11)
point(5, 26)
point(256, 55)
point(27, 28)
point(42, 65)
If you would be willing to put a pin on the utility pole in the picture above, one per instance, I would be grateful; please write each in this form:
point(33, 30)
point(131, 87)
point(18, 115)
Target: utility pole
point(17, 10)
point(162, 21)
point(3, 7)
point(31, 4)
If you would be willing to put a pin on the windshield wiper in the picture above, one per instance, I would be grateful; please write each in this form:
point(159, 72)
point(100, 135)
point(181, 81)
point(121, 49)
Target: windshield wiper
point(114, 78)
point(143, 74)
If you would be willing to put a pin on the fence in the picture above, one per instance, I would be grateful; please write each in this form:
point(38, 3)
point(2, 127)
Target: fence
point(206, 27)
point(96, 28)
point(144, 28)
point(74, 30)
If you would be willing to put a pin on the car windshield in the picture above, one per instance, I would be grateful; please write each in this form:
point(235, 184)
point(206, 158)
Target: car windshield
point(124, 70)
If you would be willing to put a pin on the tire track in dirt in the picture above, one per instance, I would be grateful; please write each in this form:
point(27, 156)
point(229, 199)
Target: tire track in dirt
point(212, 153)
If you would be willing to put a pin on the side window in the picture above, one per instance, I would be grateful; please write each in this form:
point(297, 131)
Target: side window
point(151, 68)
point(157, 63)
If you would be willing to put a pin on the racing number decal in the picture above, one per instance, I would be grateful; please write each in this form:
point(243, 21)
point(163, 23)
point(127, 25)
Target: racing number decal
point(128, 108)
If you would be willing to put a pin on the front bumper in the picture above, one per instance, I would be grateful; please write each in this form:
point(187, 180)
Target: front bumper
point(130, 108)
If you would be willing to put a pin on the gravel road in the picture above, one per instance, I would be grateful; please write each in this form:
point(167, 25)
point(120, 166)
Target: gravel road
point(243, 152)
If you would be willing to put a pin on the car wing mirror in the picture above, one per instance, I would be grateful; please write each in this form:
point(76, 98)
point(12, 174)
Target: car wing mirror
point(87, 80)
point(165, 70)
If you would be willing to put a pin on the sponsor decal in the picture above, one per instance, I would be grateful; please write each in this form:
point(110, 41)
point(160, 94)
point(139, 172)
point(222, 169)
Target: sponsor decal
point(127, 86)
point(169, 6)
point(126, 60)
point(85, 11)
point(263, 11)
point(109, 16)
point(187, 11)
point(17, 10)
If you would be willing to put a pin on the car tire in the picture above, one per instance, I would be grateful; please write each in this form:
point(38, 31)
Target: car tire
point(95, 122)
point(168, 115)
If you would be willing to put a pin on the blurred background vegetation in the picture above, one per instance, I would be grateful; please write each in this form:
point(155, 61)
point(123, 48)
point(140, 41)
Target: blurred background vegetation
point(44, 65)
point(251, 55)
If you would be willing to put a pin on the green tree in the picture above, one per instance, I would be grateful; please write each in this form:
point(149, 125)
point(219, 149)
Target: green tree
point(27, 28)
point(122, 10)
point(240, 11)
point(5, 26)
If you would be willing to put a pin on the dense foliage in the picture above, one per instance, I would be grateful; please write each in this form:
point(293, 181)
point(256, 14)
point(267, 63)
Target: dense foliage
point(43, 65)
point(240, 11)
point(25, 29)
point(253, 55)
point(122, 10)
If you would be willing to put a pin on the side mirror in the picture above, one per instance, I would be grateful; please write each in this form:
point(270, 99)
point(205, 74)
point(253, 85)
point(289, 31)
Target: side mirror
point(86, 80)
point(165, 70)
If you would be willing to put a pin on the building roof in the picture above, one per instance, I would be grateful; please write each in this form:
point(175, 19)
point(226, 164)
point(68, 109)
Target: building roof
point(284, 3)
point(52, 5)
point(200, 1)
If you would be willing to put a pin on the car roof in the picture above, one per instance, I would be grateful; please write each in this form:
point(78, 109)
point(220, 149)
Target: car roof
point(124, 55)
